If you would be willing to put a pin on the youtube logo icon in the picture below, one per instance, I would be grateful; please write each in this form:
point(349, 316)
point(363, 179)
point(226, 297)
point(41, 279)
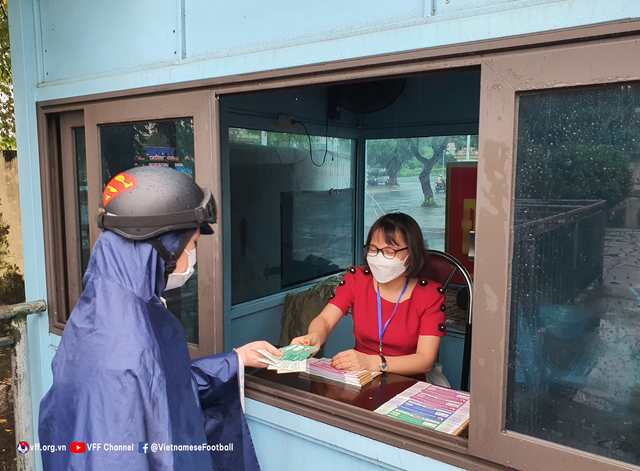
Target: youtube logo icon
point(78, 447)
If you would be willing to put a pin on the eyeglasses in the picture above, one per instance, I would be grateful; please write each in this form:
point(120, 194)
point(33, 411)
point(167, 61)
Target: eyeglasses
point(387, 252)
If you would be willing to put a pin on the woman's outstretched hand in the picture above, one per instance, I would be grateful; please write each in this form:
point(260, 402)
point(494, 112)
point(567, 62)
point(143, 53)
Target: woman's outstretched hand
point(250, 355)
point(351, 360)
point(311, 339)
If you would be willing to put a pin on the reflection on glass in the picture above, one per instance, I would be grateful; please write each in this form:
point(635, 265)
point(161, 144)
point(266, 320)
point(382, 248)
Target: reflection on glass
point(83, 202)
point(292, 212)
point(409, 176)
point(574, 357)
point(156, 143)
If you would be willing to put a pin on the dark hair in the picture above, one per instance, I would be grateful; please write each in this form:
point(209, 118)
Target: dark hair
point(403, 224)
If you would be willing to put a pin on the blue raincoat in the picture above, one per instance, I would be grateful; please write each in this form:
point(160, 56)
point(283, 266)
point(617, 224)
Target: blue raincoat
point(122, 377)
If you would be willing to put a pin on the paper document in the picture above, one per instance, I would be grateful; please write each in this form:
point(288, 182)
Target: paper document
point(322, 367)
point(294, 359)
point(430, 406)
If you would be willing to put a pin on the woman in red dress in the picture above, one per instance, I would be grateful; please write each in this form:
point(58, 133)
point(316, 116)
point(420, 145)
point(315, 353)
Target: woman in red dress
point(399, 317)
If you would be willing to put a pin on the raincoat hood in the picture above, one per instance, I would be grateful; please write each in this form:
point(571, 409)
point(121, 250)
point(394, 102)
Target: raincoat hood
point(132, 265)
point(122, 375)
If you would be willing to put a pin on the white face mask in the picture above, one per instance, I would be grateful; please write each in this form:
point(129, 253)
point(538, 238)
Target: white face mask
point(176, 280)
point(385, 269)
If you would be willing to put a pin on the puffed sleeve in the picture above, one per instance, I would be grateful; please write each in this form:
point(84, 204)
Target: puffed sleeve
point(433, 317)
point(345, 293)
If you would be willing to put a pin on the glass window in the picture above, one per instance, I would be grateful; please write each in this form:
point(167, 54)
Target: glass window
point(409, 175)
point(574, 358)
point(83, 202)
point(167, 143)
point(292, 209)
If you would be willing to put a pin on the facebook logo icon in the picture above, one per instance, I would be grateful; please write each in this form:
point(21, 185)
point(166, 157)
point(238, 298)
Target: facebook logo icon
point(143, 447)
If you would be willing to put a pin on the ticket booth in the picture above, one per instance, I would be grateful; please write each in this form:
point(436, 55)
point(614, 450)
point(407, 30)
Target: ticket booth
point(300, 200)
point(508, 131)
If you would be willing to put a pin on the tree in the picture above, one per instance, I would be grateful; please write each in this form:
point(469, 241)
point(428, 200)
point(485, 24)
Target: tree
point(598, 116)
point(577, 171)
point(390, 154)
point(440, 147)
point(578, 144)
point(11, 281)
point(7, 116)
point(176, 134)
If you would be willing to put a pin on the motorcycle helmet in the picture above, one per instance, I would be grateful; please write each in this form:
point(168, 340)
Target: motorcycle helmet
point(143, 203)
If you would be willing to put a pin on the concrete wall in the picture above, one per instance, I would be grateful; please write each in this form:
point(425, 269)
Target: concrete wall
point(10, 205)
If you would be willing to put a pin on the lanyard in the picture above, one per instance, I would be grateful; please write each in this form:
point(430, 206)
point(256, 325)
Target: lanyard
point(382, 330)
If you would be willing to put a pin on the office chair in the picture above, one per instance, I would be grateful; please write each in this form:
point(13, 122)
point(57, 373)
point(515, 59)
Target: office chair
point(442, 269)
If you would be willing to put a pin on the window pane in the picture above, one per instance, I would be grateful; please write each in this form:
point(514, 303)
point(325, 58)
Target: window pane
point(574, 358)
point(83, 202)
point(409, 176)
point(156, 143)
point(291, 212)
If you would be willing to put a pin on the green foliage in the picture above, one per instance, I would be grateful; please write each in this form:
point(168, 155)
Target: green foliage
point(177, 134)
point(604, 116)
point(7, 115)
point(157, 139)
point(12, 286)
point(392, 155)
point(576, 171)
point(4, 242)
point(389, 153)
point(409, 157)
point(11, 281)
point(409, 171)
point(578, 144)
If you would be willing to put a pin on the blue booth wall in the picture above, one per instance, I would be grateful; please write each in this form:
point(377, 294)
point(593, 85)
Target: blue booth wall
point(75, 48)
point(144, 43)
point(288, 441)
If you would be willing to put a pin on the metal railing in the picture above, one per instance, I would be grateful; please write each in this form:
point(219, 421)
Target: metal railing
point(21, 377)
point(558, 251)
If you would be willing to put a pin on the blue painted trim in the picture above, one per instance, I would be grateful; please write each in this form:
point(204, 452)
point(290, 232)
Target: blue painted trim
point(428, 8)
point(54, 341)
point(497, 21)
point(183, 31)
point(39, 58)
point(24, 48)
point(338, 441)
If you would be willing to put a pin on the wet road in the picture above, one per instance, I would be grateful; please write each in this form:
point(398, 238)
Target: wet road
point(407, 198)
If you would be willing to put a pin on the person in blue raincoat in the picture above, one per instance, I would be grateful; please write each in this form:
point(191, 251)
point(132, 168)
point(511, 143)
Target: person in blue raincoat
point(124, 385)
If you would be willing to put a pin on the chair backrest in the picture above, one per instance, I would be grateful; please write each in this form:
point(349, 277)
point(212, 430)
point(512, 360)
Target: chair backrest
point(442, 268)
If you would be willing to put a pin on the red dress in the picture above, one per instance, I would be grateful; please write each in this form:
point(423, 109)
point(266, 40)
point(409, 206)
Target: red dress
point(421, 314)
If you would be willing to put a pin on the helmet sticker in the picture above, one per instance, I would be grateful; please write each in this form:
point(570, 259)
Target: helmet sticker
point(118, 185)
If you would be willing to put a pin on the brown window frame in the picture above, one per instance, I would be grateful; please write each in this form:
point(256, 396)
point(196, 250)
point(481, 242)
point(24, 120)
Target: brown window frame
point(489, 446)
point(62, 244)
point(503, 78)
point(60, 200)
